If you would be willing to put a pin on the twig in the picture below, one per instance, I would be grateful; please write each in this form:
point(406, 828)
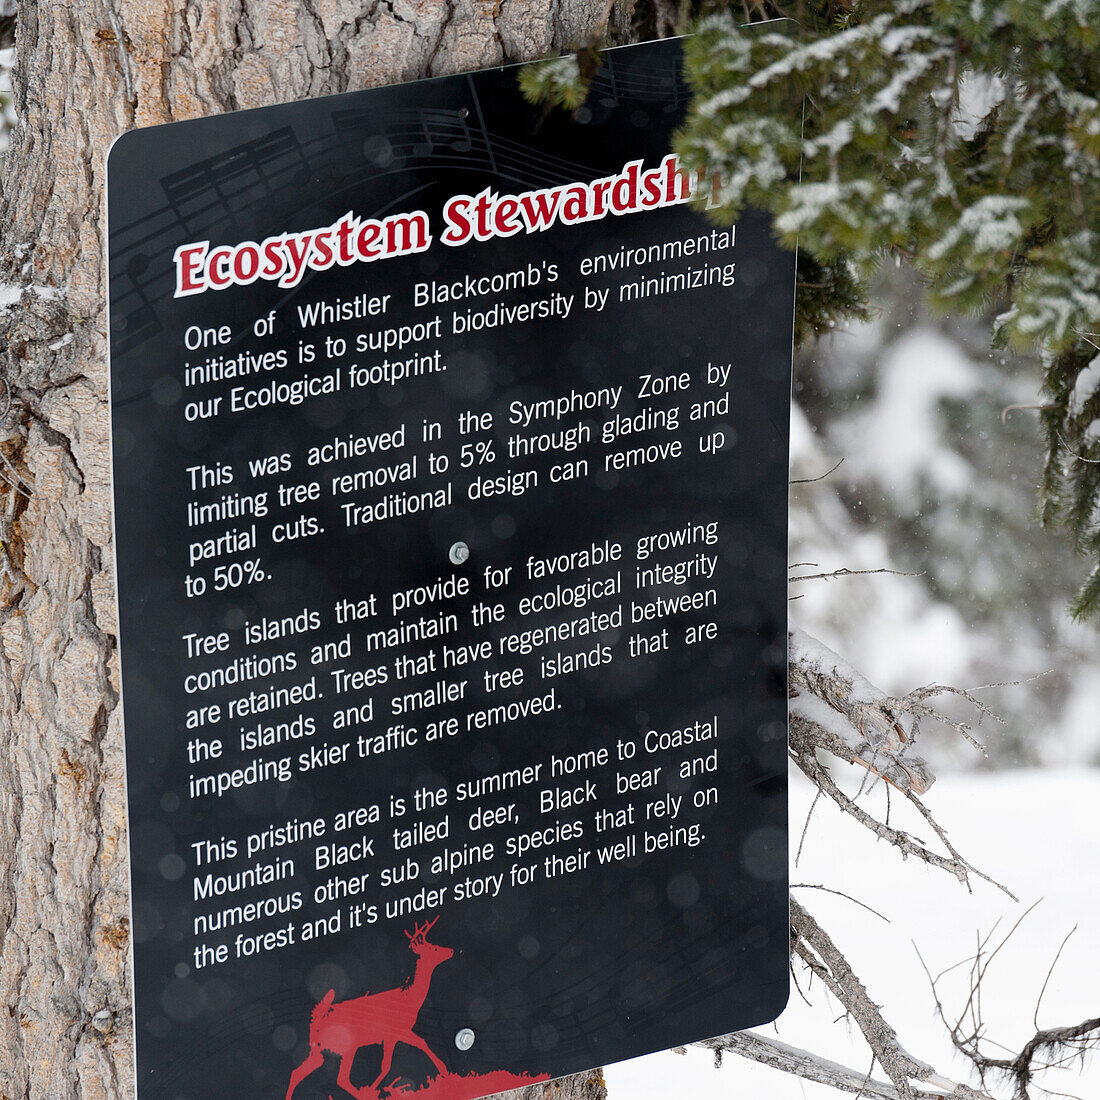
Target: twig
point(942, 834)
point(839, 893)
point(852, 573)
point(1079, 457)
point(1073, 1041)
point(806, 826)
point(1089, 337)
point(957, 866)
point(1067, 1095)
point(1046, 980)
point(977, 972)
point(1020, 1069)
point(914, 703)
point(811, 480)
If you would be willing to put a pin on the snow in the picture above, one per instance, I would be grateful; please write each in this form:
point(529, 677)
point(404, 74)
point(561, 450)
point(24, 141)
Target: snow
point(832, 141)
point(900, 40)
point(810, 201)
point(899, 442)
point(991, 224)
point(1035, 830)
point(831, 721)
point(886, 626)
point(979, 93)
point(1056, 7)
point(10, 294)
point(1085, 385)
point(819, 658)
point(888, 99)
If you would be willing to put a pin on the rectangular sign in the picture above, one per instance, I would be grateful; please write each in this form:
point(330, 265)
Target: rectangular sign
point(450, 467)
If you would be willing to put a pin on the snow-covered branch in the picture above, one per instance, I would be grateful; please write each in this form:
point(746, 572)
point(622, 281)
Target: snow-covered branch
point(834, 708)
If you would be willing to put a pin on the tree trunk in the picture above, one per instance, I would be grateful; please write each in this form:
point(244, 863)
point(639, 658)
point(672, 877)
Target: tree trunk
point(85, 71)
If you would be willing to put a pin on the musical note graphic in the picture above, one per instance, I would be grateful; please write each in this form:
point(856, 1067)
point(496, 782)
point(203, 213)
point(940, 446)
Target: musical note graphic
point(210, 198)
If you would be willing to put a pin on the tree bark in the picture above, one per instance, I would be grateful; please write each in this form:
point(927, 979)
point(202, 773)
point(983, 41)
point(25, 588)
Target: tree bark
point(86, 70)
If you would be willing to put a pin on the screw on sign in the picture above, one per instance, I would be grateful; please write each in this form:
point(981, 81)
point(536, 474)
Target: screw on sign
point(387, 1019)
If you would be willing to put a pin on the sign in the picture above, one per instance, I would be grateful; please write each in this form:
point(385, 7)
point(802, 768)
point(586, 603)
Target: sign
point(450, 467)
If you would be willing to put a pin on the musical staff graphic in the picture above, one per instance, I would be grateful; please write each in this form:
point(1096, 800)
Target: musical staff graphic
point(204, 193)
point(210, 199)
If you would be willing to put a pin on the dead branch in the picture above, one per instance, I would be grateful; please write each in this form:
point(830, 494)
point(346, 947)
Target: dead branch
point(806, 826)
point(1046, 1049)
point(843, 712)
point(915, 703)
point(815, 947)
point(817, 950)
point(852, 573)
point(820, 477)
point(832, 707)
point(839, 894)
point(1050, 972)
point(810, 1067)
point(954, 864)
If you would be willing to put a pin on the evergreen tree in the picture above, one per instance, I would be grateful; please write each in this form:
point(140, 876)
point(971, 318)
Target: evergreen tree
point(960, 135)
point(964, 137)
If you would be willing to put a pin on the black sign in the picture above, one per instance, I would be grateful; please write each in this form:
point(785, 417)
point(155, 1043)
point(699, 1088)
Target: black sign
point(450, 458)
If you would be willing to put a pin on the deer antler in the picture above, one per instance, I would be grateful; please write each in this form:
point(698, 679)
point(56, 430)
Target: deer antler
point(421, 931)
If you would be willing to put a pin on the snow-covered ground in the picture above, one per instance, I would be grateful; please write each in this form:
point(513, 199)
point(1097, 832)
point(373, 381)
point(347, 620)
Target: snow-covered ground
point(1037, 831)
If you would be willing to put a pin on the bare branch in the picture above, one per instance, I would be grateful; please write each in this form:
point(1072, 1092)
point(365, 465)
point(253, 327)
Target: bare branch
point(841, 894)
point(806, 826)
point(853, 573)
point(815, 947)
point(820, 477)
point(942, 834)
point(1075, 454)
point(1089, 337)
point(1048, 1048)
point(834, 708)
point(811, 1067)
point(956, 865)
point(1046, 980)
point(1080, 1038)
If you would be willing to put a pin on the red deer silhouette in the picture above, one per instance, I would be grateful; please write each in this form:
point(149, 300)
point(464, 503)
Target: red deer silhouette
point(376, 1018)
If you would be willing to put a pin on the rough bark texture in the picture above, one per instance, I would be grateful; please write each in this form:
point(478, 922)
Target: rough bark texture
point(86, 70)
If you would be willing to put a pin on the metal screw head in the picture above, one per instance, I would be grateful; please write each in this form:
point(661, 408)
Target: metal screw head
point(458, 554)
point(464, 1039)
